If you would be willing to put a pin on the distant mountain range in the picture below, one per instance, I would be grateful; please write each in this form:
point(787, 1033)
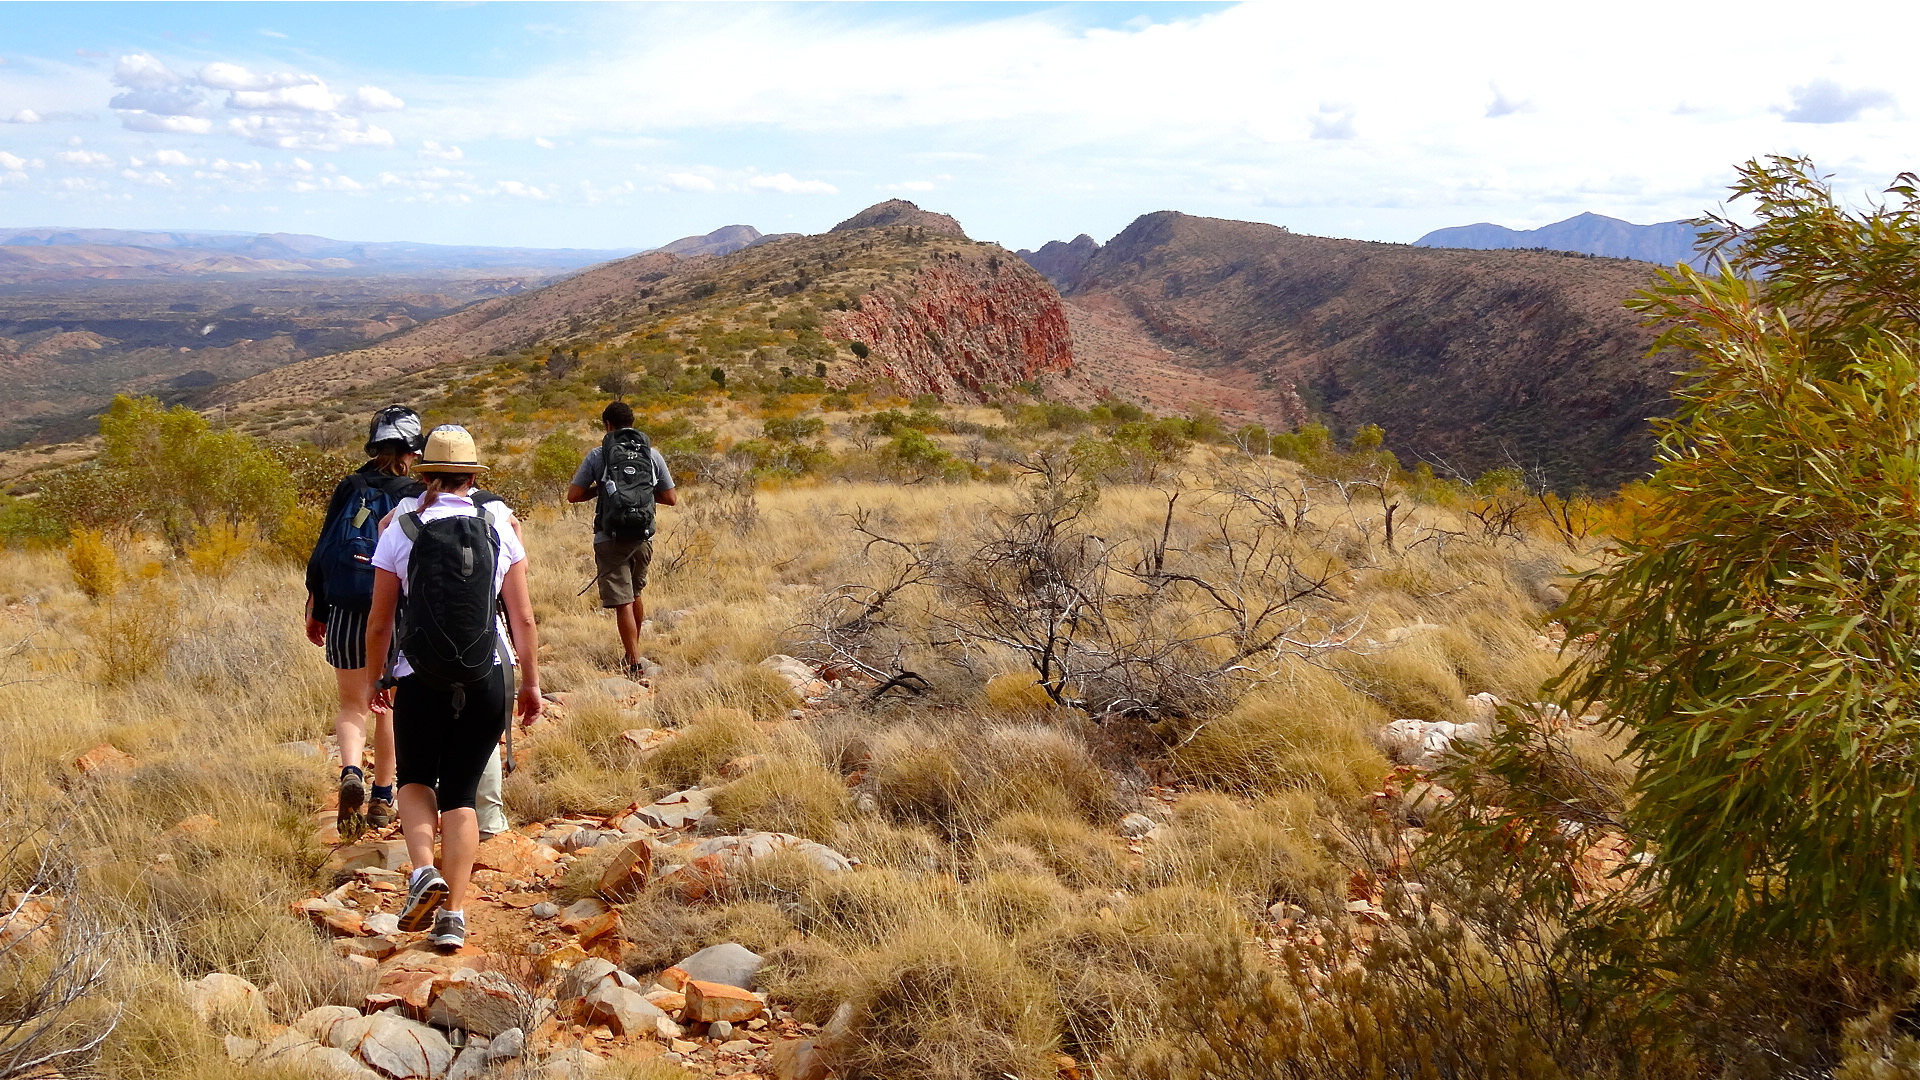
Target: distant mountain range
point(61, 254)
point(1665, 242)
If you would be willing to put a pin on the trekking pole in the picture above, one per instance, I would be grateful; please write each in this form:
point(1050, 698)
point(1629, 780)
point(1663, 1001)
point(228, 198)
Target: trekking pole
point(594, 580)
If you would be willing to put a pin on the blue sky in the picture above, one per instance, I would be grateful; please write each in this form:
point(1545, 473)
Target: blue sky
point(615, 125)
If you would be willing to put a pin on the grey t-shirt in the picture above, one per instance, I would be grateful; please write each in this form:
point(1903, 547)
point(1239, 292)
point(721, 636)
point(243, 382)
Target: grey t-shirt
point(588, 476)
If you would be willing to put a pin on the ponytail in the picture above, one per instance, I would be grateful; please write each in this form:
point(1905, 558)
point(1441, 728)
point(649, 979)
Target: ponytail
point(439, 484)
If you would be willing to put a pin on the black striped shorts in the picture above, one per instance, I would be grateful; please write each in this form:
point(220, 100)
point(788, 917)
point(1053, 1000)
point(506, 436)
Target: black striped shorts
point(346, 638)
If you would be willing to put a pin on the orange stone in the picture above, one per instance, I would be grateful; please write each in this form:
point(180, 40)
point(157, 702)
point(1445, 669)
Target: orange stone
point(105, 757)
point(626, 875)
point(512, 853)
point(708, 1002)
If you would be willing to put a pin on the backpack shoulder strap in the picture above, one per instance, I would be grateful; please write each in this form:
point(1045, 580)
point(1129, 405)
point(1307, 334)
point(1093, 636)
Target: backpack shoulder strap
point(410, 524)
point(482, 497)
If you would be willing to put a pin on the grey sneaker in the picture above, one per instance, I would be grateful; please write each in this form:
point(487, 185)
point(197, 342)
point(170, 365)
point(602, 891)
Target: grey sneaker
point(449, 930)
point(427, 892)
point(379, 813)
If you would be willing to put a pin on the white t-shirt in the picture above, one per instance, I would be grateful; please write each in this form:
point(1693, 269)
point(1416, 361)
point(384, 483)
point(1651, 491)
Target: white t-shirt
point(394, 549)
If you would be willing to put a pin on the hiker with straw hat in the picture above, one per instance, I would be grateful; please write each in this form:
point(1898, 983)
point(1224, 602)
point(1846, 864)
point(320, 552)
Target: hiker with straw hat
point(448, 561)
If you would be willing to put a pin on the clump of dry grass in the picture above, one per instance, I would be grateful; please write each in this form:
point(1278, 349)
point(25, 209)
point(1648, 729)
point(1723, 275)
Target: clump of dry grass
point(1254, 854)
point(1308, 731)
point(783, 794)
point(1066, 847)
point(947, 1002)
point(961, 778)
point(714, 737)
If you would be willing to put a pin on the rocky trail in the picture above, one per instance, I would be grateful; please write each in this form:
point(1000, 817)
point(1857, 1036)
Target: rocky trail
point(539, 991)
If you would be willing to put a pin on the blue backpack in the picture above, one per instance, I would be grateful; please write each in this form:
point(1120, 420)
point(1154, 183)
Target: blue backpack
point(346, 545)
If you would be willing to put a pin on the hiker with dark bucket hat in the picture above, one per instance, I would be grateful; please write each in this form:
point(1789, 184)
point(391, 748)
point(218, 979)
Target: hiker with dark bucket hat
point(445, 566)
point(339, 593)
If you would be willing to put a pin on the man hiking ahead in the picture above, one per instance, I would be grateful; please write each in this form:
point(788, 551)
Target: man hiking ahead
point(339, 592)
point(627, 476)
point(447, 563)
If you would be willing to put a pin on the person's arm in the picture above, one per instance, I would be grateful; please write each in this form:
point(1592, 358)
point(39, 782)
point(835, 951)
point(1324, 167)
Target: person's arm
point(386, 599)
point(526, 639)
point(664, 492)
point(586, 479)
point(316, 629)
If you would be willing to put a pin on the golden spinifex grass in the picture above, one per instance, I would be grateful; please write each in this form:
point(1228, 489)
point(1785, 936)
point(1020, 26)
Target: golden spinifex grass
point(994, 889)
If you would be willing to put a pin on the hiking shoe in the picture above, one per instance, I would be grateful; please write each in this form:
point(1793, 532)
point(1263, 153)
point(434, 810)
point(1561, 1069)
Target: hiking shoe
point(426, 893)
point(379, 813)
point(351, 819)
point(449, 930)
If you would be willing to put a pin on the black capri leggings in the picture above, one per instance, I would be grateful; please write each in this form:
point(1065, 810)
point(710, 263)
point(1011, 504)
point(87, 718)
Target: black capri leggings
point(444, 749)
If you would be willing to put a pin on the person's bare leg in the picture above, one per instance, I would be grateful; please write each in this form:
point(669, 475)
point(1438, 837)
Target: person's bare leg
point(350, 723)
point(627, 615)
point(383, 760)
point(419, 819)
point(459, 840)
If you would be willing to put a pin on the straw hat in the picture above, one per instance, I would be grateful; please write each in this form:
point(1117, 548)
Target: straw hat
point(449, 450)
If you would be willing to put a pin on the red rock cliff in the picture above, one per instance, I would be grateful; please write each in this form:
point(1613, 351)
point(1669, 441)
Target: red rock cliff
point(967, 321)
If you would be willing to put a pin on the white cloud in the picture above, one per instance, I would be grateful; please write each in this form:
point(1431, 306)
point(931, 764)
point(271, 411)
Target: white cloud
point(328, 183)
point(273, 34)
point(1824, 101)
point(165, 125)
point(24, 116)
point(432, 150)
point(86, 159)
point(329, 131)
point(1331, 122)
point(224, 76)
point(140, 71)
point(786, 184)
point(1502, 105)
point(374, 99)
point(288, 110)
point(544, 144)
point(84, 183)
point(681, 181)
point(149, 178)
point(173, 157)
point(520, 190)
point(302, 97)
point(12, 163)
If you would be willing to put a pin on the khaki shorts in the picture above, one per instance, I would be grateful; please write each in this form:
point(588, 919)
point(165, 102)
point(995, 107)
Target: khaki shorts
point(622, 566)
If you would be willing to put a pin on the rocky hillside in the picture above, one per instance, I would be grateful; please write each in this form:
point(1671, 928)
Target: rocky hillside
point(1470, 359)
point(895, 293)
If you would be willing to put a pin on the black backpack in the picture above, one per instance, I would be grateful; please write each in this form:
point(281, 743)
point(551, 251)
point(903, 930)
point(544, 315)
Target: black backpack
point(625, 511)
point(448, 629)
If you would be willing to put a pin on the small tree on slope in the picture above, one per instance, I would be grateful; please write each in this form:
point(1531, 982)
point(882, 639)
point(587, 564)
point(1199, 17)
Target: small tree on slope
point(1759, 633)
